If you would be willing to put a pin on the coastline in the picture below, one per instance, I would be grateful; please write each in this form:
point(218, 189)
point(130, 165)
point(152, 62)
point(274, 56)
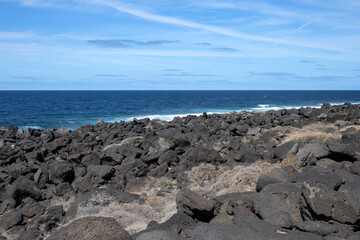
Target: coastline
point(191, 177)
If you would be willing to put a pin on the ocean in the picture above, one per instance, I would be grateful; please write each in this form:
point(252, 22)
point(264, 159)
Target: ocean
point(73, 109)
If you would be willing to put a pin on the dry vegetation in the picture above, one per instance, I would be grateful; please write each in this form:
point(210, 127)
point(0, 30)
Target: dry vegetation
point(134, 217)
point(290, 160)
point(319, 131)
point(218, 181)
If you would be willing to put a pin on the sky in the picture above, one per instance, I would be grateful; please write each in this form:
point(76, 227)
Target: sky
point(179, 45)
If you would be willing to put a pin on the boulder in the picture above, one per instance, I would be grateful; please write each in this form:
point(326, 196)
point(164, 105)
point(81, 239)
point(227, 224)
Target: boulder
point(24, 189)
point(194, 205)
point(265, 180)
point(280, 197)
point(355, 168)
point(245, 154)
point(347, 207)
point(311, 152)
point(320, 199)
point(31, 234)
point(315, 174)
point(91, 159)
point(63, 188)
point(11, 219)
point(31, 209)
point(169, 157)
point(91, 228)
point(178, 223)
point(159, 171)
point(54, 214)
point(253, 131)
point(317, 227)
point(285, 150)
point(204, 155)
point(61, 172)
point(103, 171)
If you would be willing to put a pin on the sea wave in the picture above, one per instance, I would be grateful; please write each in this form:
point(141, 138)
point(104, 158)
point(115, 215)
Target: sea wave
point(27, 127)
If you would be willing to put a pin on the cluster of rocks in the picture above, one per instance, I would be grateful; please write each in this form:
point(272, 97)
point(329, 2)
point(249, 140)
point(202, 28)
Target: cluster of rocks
point(42, 171)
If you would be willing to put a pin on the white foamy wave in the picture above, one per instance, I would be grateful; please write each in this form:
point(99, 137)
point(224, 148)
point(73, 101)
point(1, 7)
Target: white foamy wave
point(27, 127)
point(265, 108)
point(166, 117)
point(260, 108)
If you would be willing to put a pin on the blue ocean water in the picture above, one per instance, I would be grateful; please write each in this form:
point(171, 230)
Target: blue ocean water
point(53, 109)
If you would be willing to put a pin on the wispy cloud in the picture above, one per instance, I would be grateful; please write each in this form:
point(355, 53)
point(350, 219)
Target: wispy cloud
point(124, 43)
point(225, 49)
point(172, 70)
point(203, 44)
point(306, 61)
point(272, 74)
point(191, 24)
point(256, 6)
point(24, 78)
point(110, 75)
point(185, 74)
point(109, 43)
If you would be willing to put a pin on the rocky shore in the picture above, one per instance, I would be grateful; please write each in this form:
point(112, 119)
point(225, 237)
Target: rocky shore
point(287, 174)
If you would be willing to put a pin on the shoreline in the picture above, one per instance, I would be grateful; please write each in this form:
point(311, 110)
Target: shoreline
point(284, 174)
point(170, 117)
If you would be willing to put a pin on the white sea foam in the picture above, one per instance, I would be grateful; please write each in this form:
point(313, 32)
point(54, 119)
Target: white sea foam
point(27, 127)
point(263, 105)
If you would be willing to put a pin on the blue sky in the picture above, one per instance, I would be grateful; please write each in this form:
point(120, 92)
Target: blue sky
point(179, 44)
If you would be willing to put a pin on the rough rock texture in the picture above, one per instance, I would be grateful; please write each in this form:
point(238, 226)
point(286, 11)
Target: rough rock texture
point(185, 178)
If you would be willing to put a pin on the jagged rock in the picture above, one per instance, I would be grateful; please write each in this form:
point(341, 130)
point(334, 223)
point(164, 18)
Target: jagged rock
point(63, 130)
point(317, 227)
point(265, 180)
point(24, 189)
point(31, 234)
point(253, 131)
point(312, 151)
point(285, 197)
point(315, 174)
point(204, 155)
point(10, 220)
point(285, 150)
point(31, 209)
point(61, 172)
point(63, 188)
point(168, 157)
point(54, 213)
point(102, 171)
point(194, 205)
point(91, 228)
point(159, 171)
point(92, 159)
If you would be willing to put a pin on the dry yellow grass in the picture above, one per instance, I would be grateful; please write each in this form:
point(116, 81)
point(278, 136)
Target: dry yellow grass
point(290, 160)
point(216, 182)
point(312, 131)
point(205, 172)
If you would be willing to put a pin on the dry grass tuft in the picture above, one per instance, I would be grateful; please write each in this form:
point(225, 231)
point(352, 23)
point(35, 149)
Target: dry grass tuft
point(290, 160)
point(313, 131)
point(156, 183)
point(205, 172)
point(216, 182)
point(135, 216)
